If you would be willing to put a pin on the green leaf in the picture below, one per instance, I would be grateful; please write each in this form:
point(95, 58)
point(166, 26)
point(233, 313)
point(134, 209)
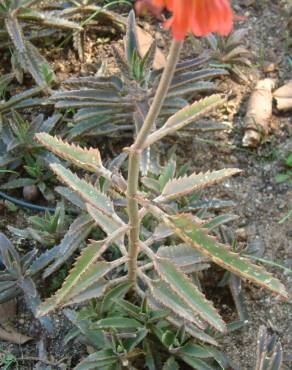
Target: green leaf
point(18, 183)
point(108, 224)
point(117, 322)
point(288, 161)
point(113, 294)
point(170, 364)
point(182, 186)
point(184, 256)
point(88, 159)
point(219, 220)
point(184, 117)
point(131, 41)
point(188, 293)
point(86, 191)
point(196, 363)
point(98, 360)
point(84, 274)
point(167, 173)
point(190, 230)
point(163, 293)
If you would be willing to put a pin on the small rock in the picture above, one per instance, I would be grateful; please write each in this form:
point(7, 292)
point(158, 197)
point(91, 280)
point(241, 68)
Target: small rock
point(269, 67)
point(241, 234)
point(31, 193)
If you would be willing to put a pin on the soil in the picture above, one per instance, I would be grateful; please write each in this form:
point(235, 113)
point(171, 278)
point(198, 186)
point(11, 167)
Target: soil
point(260, 201)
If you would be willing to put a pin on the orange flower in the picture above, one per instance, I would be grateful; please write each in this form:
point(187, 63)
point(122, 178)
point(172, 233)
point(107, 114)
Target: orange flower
point(198, 16)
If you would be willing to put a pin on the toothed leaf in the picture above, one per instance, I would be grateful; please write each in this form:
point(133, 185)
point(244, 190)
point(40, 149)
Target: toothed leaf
point(85, 267)
point(188, 292)
point(88, 159)
point(188, 184)
point(185, 257)
point(185, 116)
point(189, 229)
point(85, 190)
point(163, 293)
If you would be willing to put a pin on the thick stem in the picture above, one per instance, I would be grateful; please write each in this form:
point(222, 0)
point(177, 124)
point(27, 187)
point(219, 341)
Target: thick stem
point(135, 155)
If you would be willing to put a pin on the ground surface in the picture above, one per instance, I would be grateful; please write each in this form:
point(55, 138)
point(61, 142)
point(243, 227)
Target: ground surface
point(260, 201)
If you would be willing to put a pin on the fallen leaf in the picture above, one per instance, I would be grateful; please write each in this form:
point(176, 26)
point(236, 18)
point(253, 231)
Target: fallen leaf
point(7, 310)
point(9, 334)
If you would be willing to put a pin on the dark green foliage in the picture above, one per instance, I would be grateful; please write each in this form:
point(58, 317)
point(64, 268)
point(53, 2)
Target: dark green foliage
point(108, 105)
point(128, 336)
point(16, 278)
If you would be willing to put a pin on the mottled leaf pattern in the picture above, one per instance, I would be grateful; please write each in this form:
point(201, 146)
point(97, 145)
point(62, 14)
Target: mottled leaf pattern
point(188, 184)
point(190, 230)
point(188, 292)
point(88, 159)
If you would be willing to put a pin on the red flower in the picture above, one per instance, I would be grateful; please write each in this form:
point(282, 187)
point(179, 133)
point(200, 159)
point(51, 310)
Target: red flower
point(198, 16)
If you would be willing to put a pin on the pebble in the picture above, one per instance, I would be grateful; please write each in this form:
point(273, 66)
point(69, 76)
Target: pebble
point(241, 234)
point(30, 193)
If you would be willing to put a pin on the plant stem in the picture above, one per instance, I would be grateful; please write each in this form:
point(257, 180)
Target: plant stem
point(135, 157)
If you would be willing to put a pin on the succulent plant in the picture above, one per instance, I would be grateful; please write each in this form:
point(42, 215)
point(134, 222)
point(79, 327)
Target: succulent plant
point(106, 105)
point(16, 278)
point(131, 335)
point(17, 20)
point(170, 263)
point(47, 230)
point(229, 52)
point(19, 150)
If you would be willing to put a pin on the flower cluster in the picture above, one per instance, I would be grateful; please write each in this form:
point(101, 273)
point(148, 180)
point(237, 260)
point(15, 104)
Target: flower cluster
point(197, 16)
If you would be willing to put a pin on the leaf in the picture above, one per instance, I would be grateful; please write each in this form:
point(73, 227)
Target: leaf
point(163, 293)
point(185, 257)
point(15, 32)
point(131, 40)
point(103, 359)
point(182, 186)
point(83, 270)
point(184, 117)
point(188, 292)
point(86, 191)
point(85, 273)
point(167, 173)
point(84, 325)
point(218, 221)
point(106, 223)
point(18, 98)
point(116, 293)
point(199, 75)
point(18, 183)
point(88, 159)
point(73, 239)
point(170, 364)
point(190, 230)
point(117, 322)
point(38, 66)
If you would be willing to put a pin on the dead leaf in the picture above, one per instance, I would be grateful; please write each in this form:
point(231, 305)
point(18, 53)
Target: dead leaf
point(7, 310)
point(9, 334)
point(283, 96)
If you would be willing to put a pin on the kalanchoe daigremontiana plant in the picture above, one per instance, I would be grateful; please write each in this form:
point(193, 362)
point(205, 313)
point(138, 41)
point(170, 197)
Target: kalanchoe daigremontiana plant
point(20, 151)
point(16, 278)
point(230, 52)
point(130, 334)
point(153, 247)
point(106, 105)
point(269, 351)
point(48, 230)
point(17, 18)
